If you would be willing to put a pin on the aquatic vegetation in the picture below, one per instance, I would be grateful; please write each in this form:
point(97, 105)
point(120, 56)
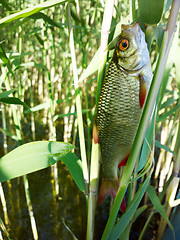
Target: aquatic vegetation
point(53, 58)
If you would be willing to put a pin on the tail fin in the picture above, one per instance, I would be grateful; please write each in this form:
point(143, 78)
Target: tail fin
point(110, 188)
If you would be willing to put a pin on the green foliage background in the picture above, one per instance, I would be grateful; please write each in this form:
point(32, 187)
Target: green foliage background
point(40, 100)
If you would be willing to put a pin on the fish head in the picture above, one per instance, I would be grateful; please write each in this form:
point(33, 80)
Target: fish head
point(131, 52)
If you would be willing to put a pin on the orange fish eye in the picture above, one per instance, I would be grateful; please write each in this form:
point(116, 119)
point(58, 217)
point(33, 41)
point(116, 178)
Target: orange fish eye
point(124, 44)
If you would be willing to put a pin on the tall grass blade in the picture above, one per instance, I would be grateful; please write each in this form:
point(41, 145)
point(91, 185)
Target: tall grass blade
point(125, 219)
point(156, 203)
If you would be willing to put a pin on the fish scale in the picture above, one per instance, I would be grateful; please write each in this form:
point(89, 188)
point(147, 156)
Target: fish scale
point(115, 119)
point(121, 103)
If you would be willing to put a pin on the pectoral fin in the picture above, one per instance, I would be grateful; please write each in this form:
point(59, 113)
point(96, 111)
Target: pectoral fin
point(142, 90)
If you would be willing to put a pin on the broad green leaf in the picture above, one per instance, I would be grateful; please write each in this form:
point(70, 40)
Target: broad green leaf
point(150, 11)
point(31, 157)
point(6, 93)
point(32, 10)
point(13, 100)
point(157, 204)
point(74, 165)
point(125, 219)
point(166, 148)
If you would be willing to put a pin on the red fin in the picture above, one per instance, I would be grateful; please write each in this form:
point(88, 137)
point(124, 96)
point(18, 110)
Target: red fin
point(124, 161)
point(142, 90)
point(123, 206)
point(110, 188)
point(95, 134)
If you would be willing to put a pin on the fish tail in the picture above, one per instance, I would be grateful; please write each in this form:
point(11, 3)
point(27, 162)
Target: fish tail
point(110, 188)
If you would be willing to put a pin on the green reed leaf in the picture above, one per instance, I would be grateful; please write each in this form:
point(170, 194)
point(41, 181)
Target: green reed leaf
point(166, 148)
point(169, 113)
point(74, 165)
point(13, 100)
point(157, 204)
point(31, 157)
point(169, 102)
point(125, 219)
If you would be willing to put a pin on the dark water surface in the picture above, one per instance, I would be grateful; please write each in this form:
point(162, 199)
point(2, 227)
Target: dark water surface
point(50, 212)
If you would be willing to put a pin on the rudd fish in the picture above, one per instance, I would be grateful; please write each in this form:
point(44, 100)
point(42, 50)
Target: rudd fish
point(121, 103)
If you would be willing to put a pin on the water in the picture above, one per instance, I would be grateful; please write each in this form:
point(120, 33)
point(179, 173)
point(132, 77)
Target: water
point(50, 212)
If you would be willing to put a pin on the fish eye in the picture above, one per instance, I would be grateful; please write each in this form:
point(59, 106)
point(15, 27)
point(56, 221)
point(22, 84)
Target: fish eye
point(124, 44)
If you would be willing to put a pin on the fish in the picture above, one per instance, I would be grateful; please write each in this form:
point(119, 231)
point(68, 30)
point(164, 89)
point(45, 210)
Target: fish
point(120, 105)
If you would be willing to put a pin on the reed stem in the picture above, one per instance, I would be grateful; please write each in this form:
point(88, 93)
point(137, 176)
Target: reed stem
point(78, 100)
point(95, 155)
